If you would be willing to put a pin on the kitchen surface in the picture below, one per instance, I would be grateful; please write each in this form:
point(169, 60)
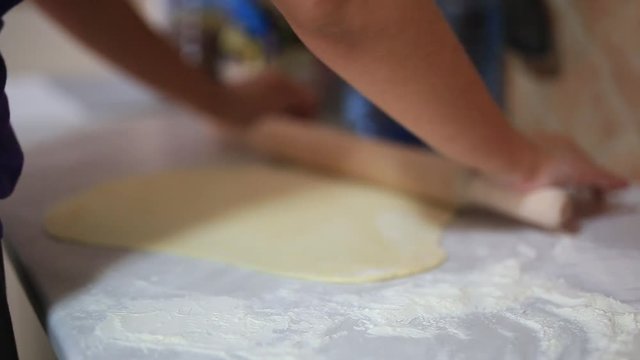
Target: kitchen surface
point(506, 291)
point(561, 294)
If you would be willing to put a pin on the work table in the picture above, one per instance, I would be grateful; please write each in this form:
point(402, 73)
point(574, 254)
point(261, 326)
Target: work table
point(104, 303)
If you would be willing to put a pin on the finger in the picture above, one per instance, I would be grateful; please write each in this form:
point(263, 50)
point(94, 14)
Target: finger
point(606, 180)
point(588, 201)
point(305, 106)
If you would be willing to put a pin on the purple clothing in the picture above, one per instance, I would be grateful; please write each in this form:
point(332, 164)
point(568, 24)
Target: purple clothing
point(11, 158)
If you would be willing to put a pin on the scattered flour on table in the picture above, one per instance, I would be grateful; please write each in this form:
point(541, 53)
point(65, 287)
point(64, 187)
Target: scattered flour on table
point(290, 323)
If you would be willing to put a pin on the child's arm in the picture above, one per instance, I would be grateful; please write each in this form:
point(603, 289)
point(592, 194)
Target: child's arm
point(114, 29)
point(403, 56)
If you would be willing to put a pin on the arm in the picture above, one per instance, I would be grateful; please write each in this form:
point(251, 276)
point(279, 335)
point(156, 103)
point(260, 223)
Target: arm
point(403, 56)
point(114, 29)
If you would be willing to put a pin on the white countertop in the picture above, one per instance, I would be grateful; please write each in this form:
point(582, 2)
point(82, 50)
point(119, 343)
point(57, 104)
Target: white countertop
point(507, 291)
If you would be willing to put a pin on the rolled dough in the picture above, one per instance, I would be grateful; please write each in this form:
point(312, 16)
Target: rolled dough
point(271, 219)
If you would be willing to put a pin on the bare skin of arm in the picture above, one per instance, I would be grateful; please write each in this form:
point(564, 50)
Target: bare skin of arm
point(404, 57)
point(113, 29)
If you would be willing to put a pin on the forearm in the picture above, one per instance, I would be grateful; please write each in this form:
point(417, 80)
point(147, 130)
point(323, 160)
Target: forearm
point(113, 29)
point(403, 56)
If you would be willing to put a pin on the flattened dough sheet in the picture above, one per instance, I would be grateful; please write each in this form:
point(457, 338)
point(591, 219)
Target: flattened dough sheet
point(266, 218)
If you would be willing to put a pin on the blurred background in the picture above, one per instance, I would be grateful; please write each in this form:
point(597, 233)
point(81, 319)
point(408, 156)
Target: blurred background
point(567, 66)
point(571, 66)
point(595, 98)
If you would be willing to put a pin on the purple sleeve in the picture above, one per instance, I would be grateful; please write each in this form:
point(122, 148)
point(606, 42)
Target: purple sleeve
point(11, 158)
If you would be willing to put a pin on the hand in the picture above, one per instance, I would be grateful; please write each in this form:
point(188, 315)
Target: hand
point(272, 92)
point(563, 163)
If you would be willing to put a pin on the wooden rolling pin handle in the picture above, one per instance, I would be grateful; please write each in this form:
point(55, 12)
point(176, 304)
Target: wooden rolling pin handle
point(405, 168)
point(549, 208)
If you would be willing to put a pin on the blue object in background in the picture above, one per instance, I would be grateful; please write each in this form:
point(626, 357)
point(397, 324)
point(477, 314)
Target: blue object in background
point(247, 14)
point(479, 25)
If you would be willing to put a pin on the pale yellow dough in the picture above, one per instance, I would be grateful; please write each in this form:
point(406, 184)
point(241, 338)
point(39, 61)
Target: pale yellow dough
point(276, 220)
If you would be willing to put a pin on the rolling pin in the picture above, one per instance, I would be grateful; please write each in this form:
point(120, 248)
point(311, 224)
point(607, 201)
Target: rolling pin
point(407, 168)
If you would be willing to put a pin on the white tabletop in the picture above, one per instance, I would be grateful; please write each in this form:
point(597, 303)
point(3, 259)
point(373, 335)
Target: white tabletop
point(507, 291)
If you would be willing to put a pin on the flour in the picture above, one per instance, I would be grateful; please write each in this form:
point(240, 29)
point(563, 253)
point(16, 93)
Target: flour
point(437, 308)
